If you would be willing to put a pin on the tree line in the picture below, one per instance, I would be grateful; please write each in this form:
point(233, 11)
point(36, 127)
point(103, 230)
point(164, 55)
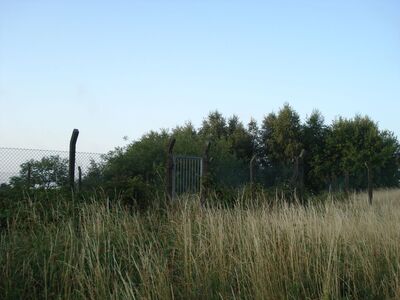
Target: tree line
point(346, 147)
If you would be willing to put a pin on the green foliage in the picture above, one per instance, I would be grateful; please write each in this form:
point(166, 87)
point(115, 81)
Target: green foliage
point(348, 145)
point(137, 171)
point(214, 127)
point(49, 172)
point(128, 170)
point(315, 133)
point(282, 136)
point(141, 164)
point(282, 142)
point(353, 144)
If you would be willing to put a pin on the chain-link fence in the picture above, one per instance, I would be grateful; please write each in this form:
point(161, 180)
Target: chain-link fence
point(36, 168)
point(42, 167)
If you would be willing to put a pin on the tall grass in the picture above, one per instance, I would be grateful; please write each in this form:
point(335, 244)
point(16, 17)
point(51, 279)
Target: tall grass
point(91, 250)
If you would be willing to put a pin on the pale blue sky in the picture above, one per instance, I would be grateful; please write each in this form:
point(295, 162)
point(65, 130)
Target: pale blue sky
point(126, 67)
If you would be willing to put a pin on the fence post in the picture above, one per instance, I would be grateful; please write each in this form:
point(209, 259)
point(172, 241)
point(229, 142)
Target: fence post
point(205, 178)
point(79, 179)
point(252, 175)
point(370, 183)
point(29, 175)
point(72, 153)
point(333, 183)
point(170, 169)
point(301, 175)
point(298, 176)
point(295, 178)
point(346, 183)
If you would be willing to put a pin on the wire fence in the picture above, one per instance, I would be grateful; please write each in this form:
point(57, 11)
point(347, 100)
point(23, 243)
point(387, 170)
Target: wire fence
point(14, 163)
point(36, 168)
point(52, 166)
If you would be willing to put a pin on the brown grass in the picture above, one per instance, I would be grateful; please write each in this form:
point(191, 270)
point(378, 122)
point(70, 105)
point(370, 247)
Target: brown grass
point(335, 250)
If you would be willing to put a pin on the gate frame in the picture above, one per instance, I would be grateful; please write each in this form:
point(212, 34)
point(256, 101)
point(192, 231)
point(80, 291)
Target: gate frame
point(174, 170)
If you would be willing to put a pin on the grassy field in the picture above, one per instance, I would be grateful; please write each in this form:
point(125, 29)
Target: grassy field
point(335, 250)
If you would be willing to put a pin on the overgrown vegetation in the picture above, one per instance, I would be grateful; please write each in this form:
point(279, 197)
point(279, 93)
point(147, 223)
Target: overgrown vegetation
point(343, 149)
point(52, 246)
point(346, 146)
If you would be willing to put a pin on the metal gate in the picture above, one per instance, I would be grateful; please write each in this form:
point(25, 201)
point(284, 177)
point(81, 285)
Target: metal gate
point(187, 173)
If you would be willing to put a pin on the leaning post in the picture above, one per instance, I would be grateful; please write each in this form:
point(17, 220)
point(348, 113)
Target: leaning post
point(370, 183)
point(252, 186)
point(170, 170)
point(205, 178)
point(301, 175)
point(72, 154)
point(295, 178)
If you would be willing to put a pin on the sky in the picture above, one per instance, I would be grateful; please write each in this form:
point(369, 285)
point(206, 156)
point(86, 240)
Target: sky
point(123, 68)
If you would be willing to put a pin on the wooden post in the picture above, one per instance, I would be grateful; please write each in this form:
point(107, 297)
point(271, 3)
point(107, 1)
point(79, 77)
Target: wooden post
point(29, 176)
point(298, 176)
point(370, 183)
point(72, 154)
point(295, 178)
point(252, 187)
point(205, 179)
point(300, 183)
point(170, 170)
point(79, 179)
point(334, 187)
point(347, 183)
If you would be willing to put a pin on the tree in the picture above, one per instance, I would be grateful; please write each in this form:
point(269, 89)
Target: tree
point(49, 172)
point(94, 174)
point(240, 140)
point(388, 174)
point(256, 141)
point(281, 135)
point(214, 126)
point(356, 143)
point(314, 133)
point(140, 158)
point(347, 145)
point(188, 141)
